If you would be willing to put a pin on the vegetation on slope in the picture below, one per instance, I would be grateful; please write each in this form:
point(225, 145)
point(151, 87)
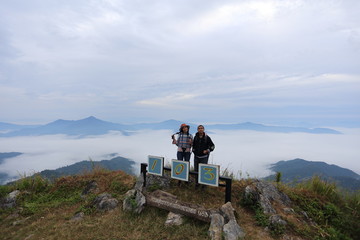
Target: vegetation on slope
point(44, 211)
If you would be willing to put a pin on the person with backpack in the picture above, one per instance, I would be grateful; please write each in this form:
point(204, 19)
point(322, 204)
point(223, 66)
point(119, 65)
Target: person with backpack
point(202, 146)
point(184, 142)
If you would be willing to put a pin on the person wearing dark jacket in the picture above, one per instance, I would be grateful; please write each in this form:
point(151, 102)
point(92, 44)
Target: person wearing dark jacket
point(202, 146)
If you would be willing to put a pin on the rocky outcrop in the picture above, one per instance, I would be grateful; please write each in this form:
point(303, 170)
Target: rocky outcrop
point(157, 182)
point(135, 200)
point(265, 193)
point(10, 200)
point(105, 202)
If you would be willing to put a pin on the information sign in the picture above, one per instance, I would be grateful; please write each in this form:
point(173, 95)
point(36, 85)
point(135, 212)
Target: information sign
point(209, 174)
point(156, 165)
point(180, 170)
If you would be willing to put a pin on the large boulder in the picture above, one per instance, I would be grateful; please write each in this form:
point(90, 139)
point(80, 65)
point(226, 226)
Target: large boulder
point(265, 193)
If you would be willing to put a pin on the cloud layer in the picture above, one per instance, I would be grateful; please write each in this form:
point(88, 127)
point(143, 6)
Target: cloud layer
point(245, 153)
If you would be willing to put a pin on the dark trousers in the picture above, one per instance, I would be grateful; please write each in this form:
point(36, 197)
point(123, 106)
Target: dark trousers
point(183, 156)
point(199, 160)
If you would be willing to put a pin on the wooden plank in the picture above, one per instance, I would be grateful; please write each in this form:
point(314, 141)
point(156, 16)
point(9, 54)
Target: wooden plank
point(163, 200)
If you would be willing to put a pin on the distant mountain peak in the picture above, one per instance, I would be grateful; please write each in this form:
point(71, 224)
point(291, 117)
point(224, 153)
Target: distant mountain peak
point(90, 118)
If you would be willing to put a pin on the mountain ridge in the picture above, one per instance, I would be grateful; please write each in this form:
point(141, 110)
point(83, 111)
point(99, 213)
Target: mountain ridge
point(94, 126)
point(298, 170)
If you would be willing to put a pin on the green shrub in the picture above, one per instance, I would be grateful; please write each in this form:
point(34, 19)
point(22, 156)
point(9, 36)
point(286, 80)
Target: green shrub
point(4, 190)
point(35, 183)
point(278, 177)
point(118, 187)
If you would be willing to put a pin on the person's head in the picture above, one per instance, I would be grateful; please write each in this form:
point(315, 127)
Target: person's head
point(201, 129)
point(184, 128)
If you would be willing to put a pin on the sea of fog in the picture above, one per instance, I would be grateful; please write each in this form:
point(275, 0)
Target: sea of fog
point(244, 153)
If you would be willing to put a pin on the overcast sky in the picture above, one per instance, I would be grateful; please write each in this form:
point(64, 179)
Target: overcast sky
point(202, 61)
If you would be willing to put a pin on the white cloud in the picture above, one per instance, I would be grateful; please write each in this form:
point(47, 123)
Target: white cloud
point(243, 152)
point(175, 101)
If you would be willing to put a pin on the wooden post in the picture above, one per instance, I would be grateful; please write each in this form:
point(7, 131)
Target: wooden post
point(144, 171)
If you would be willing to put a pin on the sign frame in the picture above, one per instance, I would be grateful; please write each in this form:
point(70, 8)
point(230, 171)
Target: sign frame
point(156, 165)
point(183, 175)
point(209, 169)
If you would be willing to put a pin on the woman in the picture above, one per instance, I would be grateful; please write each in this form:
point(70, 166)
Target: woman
point(184, 142)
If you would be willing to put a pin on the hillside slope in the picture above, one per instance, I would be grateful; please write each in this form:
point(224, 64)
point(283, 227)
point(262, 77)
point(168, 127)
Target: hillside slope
point(298, 170)
point(45, 211)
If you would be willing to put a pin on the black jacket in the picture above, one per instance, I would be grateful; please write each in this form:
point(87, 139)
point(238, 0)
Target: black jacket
point(201, 144)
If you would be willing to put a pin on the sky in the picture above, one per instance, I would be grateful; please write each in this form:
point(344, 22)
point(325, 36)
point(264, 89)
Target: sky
point(243, 153)
point(288, 62)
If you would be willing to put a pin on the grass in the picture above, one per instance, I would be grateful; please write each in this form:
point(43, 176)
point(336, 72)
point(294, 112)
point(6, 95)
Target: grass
point(335, 212)
point(45, 210)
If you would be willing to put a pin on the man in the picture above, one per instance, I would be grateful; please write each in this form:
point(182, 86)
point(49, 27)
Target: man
point(202, 146)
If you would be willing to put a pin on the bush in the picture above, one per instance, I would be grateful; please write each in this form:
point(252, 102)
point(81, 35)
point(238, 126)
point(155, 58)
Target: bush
point(4, 190)
point(34, 184)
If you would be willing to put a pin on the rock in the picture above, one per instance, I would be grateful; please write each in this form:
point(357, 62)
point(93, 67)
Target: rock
point(265, 193)
point(21, 221)
point(91, 187)
point(139, 185)
point(29, 236)
point(154, 182)
point(78, 217)
point(228, 211)
point(216, 226)
point(10, 200)
point(232, 231)
point(105, 202)
point(277, 220)
point(288, 210)
point(134, 201)
point(174, 219)
point(287, 237)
